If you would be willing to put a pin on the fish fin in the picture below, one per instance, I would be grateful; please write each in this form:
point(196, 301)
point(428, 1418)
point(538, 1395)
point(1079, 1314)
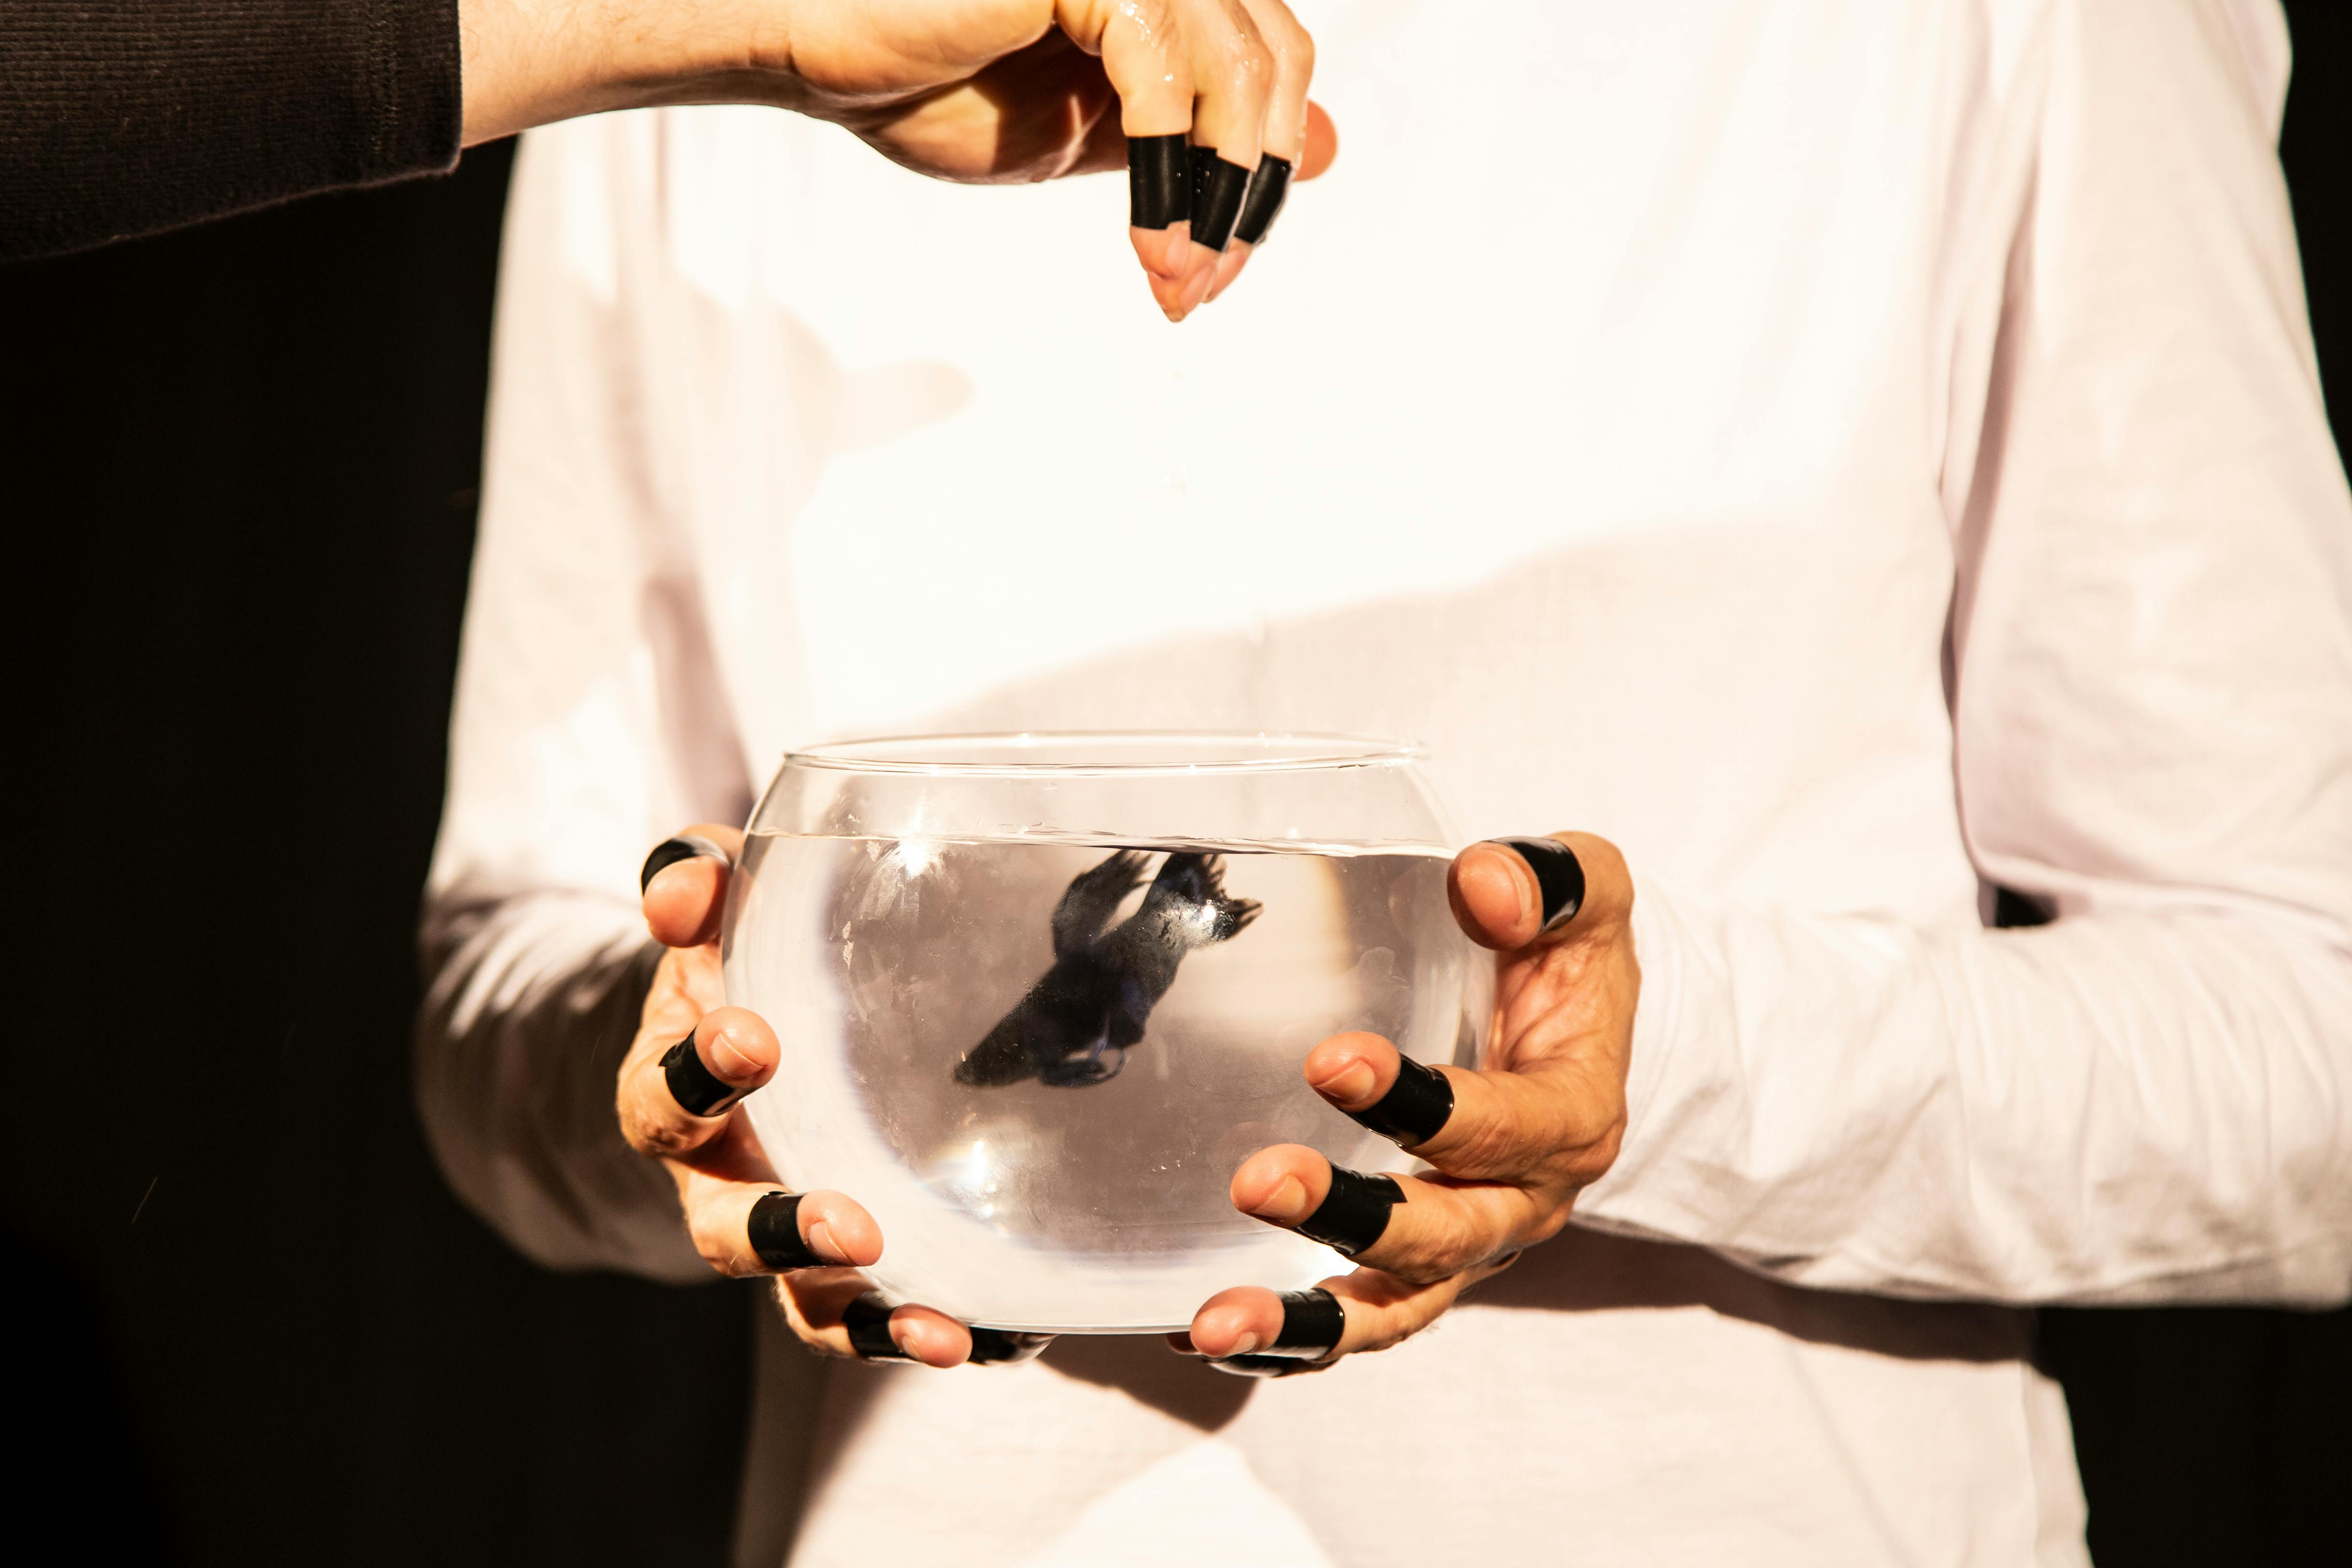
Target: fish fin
point(1079, 1072)
point(1092, 897)
point(1235, 916)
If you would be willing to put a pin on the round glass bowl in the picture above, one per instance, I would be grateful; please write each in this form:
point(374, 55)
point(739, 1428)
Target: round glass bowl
point(1040, 995)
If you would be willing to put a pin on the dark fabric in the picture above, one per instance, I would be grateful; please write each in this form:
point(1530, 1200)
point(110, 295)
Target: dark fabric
point(125, 118)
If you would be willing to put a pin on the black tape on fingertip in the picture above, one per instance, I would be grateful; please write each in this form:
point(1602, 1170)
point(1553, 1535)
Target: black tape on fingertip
point(999, 1347)
point(1559, 873)
point(1268, 187)
point(698, 1089)
point(1354, 1212)
point(1159, 181)
point(1218, 190)
point(775, 1231)
point(1415, 1108)
point(670, 851)
point(867, 1318)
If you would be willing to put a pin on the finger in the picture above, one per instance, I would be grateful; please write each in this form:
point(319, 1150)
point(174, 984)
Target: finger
point(747, 1228)
point(674, 1102)
point(1268, 191)
point(1152, 75)
point(1514, 893)
point(1419, 1228)
point(1487, 1126)
point(878, 1332)
point(1283, 143)
point(1234, 70)
point(1257, 1333)
point(823, 1304)
point(1380, 1087)
point(684, 884)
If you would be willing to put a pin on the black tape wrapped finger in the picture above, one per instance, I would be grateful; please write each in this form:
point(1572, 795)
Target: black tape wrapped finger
point(1354, 1214)
point(697, 1090)
point(1219, 188)
point(1159, 181)
point(670, 851)
point(1559, 874)
point(1267, 190)
point(1312, 1322)
point(867, 1318)
point(774, 1229)
point(1414, 1109)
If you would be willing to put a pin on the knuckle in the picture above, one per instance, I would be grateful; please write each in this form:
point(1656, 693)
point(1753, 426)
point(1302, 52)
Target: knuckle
point(1489, 1144)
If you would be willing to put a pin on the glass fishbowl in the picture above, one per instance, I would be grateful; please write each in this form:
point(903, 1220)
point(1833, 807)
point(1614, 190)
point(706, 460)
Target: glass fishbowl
point(1039, 996)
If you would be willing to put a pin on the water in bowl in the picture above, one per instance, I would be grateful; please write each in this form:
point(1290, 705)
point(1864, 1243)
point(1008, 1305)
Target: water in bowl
point(1038, 1061)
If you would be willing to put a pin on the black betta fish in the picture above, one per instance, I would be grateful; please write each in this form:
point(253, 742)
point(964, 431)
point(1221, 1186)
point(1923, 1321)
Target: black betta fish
point(1076, 1024)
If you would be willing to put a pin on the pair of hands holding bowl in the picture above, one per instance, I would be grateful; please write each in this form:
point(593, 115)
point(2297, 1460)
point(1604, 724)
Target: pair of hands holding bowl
point(1524, 1135)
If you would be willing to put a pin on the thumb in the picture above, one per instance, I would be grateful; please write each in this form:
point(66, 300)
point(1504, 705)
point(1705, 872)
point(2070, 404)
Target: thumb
point(684, 884)
point(1513, 893)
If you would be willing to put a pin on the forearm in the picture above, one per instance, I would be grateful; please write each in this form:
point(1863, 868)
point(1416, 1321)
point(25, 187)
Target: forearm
point(2117, 1106)
point(532, 1001)
point(122, 119)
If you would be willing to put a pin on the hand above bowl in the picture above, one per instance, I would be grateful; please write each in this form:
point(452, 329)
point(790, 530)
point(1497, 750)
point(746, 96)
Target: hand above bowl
point(1511, 1146)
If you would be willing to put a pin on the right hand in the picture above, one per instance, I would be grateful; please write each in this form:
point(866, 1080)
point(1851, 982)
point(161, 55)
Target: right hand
point(723, 1174)
point(976, 90)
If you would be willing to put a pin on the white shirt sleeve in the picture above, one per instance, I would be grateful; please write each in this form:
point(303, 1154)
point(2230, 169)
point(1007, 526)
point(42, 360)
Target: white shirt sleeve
point(2151, 654)
point(589, 726)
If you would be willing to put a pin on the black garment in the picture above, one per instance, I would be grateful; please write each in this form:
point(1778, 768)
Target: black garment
point(120, 117)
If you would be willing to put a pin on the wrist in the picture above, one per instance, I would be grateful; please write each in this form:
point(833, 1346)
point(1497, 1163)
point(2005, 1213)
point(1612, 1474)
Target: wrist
point(531, 62)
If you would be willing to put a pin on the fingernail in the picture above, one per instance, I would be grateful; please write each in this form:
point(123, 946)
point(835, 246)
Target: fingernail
point(821, 1242)
point(730, 1062)
point(1243, 1345)
point(1350, 1083)
point(1286, 1204)
point(670, 851)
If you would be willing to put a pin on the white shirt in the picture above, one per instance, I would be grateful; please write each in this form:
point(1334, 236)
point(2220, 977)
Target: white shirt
point(1854, 455)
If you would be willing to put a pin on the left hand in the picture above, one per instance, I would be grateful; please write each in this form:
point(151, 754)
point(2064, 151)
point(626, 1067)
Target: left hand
point(1541, 1122)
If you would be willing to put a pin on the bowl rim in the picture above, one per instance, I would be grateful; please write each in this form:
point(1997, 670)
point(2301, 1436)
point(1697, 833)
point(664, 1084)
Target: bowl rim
point(1283, 750)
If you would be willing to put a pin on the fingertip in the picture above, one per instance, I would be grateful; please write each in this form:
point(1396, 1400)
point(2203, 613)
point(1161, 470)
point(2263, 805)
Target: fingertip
point(1352, 1070)
point(1275, 1183)
point(1162, 251)
point(1236, 1321)
point(738, 1045)
point(930, 1337)
point(683, 901)
point(1229, 268)
point(840, 1228)
point(1495, 896)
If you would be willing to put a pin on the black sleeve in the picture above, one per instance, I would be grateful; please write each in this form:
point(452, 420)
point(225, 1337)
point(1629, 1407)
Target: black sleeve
point(120, 117)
